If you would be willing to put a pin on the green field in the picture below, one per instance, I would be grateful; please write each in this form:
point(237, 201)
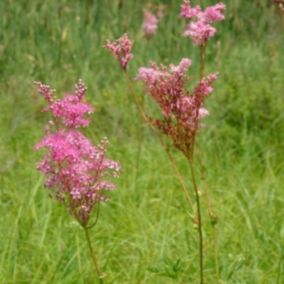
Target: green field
point(145, 233)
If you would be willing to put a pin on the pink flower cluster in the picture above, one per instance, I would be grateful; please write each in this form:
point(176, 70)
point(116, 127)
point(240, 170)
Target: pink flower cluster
point(201, 29)
point(150, 24)
point(121, 49)
point(71, 109)
point(74, 169)
point(181, 109)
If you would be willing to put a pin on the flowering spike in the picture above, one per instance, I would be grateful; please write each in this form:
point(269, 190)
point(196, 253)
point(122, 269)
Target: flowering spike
point(71, 110)
point(199, 32)
point(204, 88)
point(80, 90)
point(121, 49)
point(201, 29)
point(181, 109)
point(45, 91)
point(187, 11)
point(74, 168)
point(150, 24)
point(214, 13)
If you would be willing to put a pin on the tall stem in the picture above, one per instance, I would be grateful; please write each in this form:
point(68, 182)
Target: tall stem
point(202, 52)
point(93, 256)
point(199, 218)
point(193, 179)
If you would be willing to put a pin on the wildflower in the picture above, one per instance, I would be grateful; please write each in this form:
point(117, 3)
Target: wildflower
point(199, 32)
point(201, 29)
point(164, 84)
point(189, 12)
point(181, 109)
point(121, 49)
point(150, 24)
point(214, 13)
point(74, 169)
point(71, 109)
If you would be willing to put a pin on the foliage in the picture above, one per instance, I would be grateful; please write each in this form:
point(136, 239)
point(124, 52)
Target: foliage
point(60, 41)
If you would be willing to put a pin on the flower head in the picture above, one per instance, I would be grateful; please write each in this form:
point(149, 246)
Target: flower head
point(165, 84)
point(201, 29)
point(199, 32)
point(75, 170)
point(187, 11)
point(71, 109)
point(214, 13)
point(150, 24)
point(181, 109)
point(121, 49)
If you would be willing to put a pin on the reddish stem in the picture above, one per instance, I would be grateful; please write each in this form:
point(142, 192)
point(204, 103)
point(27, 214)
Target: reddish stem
point(93, 256)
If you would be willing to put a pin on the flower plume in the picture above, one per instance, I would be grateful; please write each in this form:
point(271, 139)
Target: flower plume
point(181, 109)
point(150, 24)
point(75, 170)
point(121, 49)
point(200, 28)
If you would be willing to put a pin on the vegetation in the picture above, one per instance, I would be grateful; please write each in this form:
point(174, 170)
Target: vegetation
point(143, 234)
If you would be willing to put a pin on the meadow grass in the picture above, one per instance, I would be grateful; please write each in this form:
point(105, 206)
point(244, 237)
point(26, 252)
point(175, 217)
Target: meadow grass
point(145, 233)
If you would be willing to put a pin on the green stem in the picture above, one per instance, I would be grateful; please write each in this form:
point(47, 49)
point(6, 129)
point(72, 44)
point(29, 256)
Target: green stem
point(93, 256)
point(202, 52)
point(199, 219)
point(193, 179)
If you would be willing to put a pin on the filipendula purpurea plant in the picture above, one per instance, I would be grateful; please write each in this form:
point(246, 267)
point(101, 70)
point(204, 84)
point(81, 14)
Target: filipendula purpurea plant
point(181, 109)
point(76, 171)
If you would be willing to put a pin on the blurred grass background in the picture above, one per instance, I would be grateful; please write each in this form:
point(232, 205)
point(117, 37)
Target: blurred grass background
point(144, 234)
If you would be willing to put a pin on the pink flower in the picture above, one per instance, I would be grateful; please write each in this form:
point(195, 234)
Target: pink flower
point(182, 68)
point(165, 84)
point(199, 32)
point(121, 49)
point(45, 91)
point(150, 24)
point(187, 11)
point(74, 169)
point(71, 109)
point(181, 109)
point(214, 13)
point(201, 29)
point(204, 88)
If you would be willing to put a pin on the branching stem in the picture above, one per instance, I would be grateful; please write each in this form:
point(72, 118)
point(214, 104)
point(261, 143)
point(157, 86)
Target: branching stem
point(202, 60)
